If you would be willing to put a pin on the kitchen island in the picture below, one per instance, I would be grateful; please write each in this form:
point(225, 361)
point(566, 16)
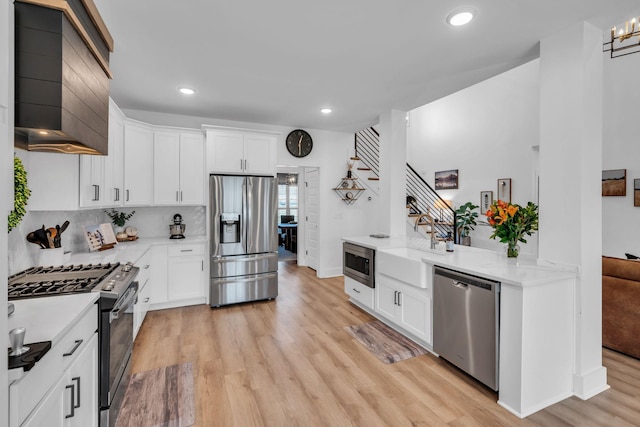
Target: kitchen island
point(536, 332)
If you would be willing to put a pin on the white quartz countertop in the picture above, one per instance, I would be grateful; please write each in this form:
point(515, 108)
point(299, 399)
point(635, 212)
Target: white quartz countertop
point(48, 318)
point(528, 271)
point(130, 251)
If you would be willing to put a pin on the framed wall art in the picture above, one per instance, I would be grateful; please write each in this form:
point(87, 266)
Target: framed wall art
point(614, 182)
point(447, 180)
point(486, 199)
point(636, 192)
point(504, 189)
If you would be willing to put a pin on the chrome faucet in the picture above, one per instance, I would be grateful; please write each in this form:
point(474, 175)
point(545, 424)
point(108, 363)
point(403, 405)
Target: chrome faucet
point(431, 226)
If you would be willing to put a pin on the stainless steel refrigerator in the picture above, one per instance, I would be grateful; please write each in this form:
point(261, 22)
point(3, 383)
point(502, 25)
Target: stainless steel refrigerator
point(244, 239)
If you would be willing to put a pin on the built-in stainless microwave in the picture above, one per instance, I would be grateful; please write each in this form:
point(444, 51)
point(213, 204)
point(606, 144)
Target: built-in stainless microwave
point(358, 263)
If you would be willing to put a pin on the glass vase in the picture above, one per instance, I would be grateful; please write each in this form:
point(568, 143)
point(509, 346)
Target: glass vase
point(513, 249)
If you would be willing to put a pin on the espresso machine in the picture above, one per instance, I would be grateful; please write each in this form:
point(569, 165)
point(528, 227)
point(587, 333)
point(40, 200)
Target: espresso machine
point(177, 228)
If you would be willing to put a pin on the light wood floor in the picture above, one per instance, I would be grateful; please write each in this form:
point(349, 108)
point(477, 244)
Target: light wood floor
point(289, 362)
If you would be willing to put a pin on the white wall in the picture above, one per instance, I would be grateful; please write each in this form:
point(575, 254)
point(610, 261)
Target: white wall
point(621, 150)
point(487, 132)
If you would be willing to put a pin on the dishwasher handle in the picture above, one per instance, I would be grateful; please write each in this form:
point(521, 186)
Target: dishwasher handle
point(463, 280)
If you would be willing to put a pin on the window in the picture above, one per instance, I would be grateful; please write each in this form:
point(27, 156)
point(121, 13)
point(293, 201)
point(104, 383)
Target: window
point(288, 195)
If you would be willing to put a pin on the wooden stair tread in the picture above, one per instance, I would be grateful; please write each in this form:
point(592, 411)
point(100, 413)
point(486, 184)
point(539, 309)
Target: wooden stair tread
point(373, 179)
point(354, 158)
point(364, 169)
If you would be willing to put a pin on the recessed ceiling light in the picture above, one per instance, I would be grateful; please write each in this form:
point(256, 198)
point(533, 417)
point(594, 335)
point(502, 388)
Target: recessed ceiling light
point(186, 90)
point(461, 16)
point(325, 110)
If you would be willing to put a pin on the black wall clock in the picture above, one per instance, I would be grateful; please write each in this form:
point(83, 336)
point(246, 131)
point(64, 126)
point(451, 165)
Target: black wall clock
point(299, 143)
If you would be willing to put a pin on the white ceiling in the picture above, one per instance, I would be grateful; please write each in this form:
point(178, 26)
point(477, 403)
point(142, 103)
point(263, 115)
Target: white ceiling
point(280, 61)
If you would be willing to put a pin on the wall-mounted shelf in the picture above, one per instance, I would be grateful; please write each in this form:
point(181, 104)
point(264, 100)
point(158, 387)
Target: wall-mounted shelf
point(349, 189)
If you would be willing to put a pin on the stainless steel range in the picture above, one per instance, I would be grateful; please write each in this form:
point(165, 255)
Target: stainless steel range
point(118, 292)
point(48, 281)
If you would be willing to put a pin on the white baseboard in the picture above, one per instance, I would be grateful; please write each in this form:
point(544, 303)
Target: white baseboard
point(588, 385)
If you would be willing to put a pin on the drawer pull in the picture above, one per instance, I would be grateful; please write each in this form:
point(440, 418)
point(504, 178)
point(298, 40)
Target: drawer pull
point(186, 250)
point(73, 350)
point(73, 410)
point(355, 290)
point(77, 379)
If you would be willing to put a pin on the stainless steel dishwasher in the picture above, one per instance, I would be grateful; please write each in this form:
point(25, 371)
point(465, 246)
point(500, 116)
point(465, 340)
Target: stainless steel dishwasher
point(466, 319)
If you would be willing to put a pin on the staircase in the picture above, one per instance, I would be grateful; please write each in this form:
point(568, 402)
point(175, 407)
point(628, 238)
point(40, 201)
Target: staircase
point(422, 196)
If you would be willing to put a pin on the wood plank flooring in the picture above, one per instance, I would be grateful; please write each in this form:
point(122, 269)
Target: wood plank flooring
point(289, 362)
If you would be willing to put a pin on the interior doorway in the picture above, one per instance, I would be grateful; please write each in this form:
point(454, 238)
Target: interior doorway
point(288, 215)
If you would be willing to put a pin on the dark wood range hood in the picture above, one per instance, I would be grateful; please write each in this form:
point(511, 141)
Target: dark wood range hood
point(61, 77)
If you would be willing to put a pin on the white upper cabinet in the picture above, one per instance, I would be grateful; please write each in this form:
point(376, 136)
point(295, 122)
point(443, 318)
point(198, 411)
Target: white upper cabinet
point(101, 177)
point(178, 168)
point(240, 151)
point(138, 164)
point(166, 168)
point(192, 175)
point(114, 163)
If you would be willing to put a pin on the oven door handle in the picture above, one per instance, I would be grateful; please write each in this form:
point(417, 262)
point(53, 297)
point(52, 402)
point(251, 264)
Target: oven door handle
point(123, 304)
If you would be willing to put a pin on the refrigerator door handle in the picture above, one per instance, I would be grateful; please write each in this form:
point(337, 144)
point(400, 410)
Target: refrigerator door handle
point(244, 218)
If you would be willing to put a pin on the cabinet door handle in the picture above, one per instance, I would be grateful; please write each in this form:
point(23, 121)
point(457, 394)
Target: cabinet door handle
point(95, 193)
point(117, 196)
point(146, 267)
point(77, 380)
point(73, 410)
point(146, 299)
point(177, 197)
point(355, 290)
point(180, 195)
point(202, 262)
point(399, 301)
point(73, 350)
point(127, 195)
point(241, 164)
point(395, 297)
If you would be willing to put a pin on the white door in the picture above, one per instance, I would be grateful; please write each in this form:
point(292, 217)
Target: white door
point(312, 216)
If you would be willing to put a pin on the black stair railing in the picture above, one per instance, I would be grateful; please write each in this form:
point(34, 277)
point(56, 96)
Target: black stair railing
point(428, 201)
point(367, 148)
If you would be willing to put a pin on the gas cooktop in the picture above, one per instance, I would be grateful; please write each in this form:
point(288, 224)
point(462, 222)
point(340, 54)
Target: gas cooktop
point(48, 281)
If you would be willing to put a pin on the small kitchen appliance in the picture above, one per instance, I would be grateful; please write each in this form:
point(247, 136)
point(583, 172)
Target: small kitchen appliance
point(177, 228)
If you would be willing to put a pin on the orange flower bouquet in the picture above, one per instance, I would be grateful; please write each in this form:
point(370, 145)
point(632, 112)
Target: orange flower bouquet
point(511, 222)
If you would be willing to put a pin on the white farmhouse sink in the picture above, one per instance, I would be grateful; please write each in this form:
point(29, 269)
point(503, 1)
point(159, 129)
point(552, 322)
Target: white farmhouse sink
point(404, 264)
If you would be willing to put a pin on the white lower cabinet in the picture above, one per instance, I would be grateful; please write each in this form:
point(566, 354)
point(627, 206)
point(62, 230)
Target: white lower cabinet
point(178, 276)
point(141, 307)
point(62, 388)
point(359, 292)
point(186, 272)
point(407, 306)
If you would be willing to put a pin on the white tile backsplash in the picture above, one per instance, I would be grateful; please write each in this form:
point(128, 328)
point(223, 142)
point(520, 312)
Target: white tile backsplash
point(150, 222)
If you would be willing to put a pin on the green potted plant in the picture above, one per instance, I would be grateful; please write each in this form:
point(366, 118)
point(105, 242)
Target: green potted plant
point(465, 222)
point(119, 219)
point(21, 194)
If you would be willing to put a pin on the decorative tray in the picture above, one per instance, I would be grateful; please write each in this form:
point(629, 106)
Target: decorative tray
point(127, 239)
